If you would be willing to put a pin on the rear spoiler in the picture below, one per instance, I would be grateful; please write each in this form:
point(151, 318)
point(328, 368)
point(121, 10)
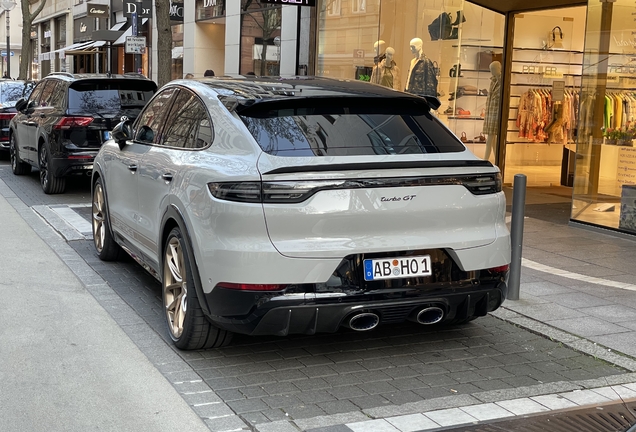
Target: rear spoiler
point(402, 103)
point(382, 165)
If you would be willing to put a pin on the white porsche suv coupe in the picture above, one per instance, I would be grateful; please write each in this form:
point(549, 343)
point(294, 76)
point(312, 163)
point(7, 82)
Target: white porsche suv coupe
point(280, 206)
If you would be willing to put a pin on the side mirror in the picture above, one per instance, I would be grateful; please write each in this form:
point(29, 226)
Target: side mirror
point(21, 104)
point(122, 132)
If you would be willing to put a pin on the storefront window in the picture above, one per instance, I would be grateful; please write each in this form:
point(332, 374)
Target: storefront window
point(425, 47)
point(208, 9)
point(60, 42)
point(177, 51)
point(260, 38)
point(605, 178)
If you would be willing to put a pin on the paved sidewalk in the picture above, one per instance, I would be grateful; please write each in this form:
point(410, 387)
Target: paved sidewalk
point(66, 365)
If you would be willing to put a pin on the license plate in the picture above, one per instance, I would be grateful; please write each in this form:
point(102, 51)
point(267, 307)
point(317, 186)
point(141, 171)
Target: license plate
point(107, 135)
point(397, 268)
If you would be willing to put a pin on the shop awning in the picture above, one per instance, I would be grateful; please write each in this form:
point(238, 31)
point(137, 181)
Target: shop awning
point(128, 32)
point(75, 46)
point(504, 6)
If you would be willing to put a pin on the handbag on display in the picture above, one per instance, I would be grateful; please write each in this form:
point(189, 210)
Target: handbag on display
point(441, 27)
point(484, 58)
point(455, 71)
point(436, 68)
point(555, 38)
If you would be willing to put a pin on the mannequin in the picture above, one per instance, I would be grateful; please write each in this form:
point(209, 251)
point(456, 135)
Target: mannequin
point(386, 73)
point(378, 50)
point(421, 79)
point(491, 118)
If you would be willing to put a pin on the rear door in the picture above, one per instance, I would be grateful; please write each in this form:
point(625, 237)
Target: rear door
point(187, 129)
point(346, 183)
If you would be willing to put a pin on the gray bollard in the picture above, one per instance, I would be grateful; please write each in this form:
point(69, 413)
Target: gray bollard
point(516, 235)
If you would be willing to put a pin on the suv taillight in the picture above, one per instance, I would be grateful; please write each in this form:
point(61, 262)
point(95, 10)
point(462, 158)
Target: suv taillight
point(6, 116)
point(70, 122)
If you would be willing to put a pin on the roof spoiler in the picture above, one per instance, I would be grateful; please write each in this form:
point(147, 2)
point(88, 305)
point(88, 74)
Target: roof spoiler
point(401, 104)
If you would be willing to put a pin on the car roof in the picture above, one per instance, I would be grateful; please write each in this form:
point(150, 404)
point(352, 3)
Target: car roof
point(243, 91)
point(66, 76)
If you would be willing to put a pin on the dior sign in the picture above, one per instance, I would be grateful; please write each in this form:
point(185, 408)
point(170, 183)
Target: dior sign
point(95, 10)
point(176, 11)
point(145, 11)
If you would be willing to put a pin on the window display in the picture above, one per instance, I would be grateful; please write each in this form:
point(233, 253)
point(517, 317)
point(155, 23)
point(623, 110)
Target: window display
point(418, 46)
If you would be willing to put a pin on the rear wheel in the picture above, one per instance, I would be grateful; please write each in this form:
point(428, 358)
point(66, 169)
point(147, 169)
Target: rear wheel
point(17, 166)
point(106, 247)
point(51, 184)
point(187, 325)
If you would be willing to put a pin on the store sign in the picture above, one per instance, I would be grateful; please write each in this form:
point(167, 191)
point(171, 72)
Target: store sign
point(97, 10)
point(145, 11)
point(176, 11)
point(135, 45)
point(209, 3)
point(83, 27)
point(209, 9)
point(291, 2)
point(47, 34)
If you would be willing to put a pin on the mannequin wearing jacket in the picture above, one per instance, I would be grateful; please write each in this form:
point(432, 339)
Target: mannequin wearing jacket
point(491, 119)
point(422, 78)
point(386, 73)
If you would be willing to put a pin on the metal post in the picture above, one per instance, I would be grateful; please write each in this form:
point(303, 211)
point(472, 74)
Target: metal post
point(516, 235)
point(8, 46)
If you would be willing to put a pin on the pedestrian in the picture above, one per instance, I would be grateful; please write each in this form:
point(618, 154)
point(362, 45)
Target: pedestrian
point(6, 75)
point(188, 76)
point(209, 73)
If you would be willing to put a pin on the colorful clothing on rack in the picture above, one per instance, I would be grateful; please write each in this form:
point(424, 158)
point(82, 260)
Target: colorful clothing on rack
point(540, 119)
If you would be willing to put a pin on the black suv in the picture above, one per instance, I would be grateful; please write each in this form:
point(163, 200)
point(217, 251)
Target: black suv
point(66, 119)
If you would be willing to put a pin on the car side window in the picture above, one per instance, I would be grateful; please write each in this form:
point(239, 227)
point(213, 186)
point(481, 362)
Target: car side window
point(188, 125)
point(34, 99)
point(151, 121)
point(58, 96)
point(47, 93)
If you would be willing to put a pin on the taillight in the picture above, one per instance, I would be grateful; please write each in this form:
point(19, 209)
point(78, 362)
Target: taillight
point(271, 192)
point(500, 269)
point(482, 185)
point(6, 116)
point(70, 122)
point(252, 287)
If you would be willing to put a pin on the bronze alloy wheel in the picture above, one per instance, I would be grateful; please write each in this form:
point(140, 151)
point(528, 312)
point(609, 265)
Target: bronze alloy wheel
point(175, 287)
point(99, 228)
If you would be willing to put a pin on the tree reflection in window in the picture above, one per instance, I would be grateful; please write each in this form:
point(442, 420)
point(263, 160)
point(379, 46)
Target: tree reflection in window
point(188, 124)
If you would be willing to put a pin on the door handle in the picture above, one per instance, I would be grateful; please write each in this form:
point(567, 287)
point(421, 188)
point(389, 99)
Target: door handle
point(167, 177)
point(132, 168)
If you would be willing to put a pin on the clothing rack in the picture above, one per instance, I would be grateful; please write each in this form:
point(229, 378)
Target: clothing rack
point(542, 120)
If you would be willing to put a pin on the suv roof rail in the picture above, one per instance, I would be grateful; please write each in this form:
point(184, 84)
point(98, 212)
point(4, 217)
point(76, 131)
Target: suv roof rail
point(68, 74)
point(138, 75)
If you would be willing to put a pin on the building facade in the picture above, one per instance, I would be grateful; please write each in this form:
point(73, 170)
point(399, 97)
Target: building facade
point(545, 89)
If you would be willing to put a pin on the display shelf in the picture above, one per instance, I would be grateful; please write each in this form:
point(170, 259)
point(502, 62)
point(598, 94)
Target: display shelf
point(477, 46)
point(546, 62)
point(548, 50)
point(465, 118)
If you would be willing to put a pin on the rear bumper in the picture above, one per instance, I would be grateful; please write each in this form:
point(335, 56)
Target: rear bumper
point(74, 163)
point(310, 313)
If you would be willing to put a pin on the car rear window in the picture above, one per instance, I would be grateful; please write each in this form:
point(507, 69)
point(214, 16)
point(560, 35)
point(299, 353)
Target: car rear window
point(349, 130)
point(109, 96)
point(12, 91)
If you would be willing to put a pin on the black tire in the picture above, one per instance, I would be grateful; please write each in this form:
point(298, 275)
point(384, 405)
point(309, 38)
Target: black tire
point(188, 327)
point(17, 166)
point(51, 184)
point(105, 246)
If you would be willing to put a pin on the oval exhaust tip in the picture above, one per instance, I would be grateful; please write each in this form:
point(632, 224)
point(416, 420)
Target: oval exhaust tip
point(364, 321)
point(430, 315)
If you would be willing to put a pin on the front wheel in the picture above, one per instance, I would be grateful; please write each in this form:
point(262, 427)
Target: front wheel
point(106, 247)
point(187, 325)
point(17, 166)
point(51, 184)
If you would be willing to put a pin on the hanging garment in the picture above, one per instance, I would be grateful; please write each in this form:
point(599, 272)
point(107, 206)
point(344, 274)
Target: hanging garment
point(525, 115)
point(491, 116)
point(386, 75)
point(422, 79)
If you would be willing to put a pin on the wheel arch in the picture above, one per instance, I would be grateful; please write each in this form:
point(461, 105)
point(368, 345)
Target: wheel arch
point(173, 218)
point(96, 175)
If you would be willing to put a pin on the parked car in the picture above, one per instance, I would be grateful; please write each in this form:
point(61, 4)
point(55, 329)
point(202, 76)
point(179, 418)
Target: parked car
point(60, 127)
point(273, 206)
point(10, 92)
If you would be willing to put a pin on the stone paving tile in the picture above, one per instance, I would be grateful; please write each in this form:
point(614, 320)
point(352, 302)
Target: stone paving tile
point(264, 378)
point(587, 326)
